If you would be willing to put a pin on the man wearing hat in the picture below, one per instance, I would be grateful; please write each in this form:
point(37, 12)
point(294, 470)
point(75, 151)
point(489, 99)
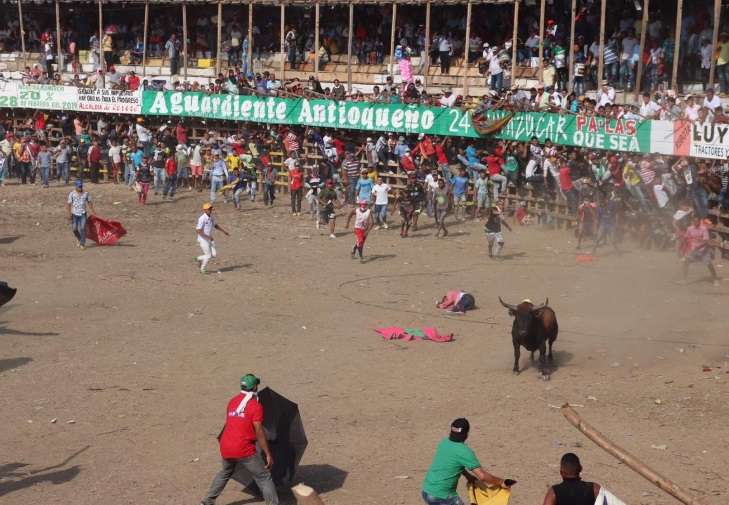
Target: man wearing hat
point(453, 457)
point(243, 428)
point(205, 226)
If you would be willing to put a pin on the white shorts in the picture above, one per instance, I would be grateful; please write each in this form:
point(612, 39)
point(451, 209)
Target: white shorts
point(494, 237)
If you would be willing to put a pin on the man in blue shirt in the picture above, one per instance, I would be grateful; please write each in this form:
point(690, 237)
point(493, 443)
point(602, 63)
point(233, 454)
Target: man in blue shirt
point(471, 160)
point(364, 187)
point(137, 157)
point(218, 176)
point(400, 148)
point(460, 190)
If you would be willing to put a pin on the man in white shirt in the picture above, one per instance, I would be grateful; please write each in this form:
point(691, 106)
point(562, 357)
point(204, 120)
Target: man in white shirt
point(707, 52)
point(606, 94)
point(648, 108)
point(626, 60)
point(380, 191)
point(691, 111)
point(497, 73)
point(205, 226)
point(448, 99)
point(711, 101)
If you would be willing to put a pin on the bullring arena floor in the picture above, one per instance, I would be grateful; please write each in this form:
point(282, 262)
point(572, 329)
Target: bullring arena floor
point(141, 352)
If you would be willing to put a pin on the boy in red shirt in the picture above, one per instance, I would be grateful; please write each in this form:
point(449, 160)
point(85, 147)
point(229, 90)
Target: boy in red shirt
point(296, 189)
point(243, 428)
point(171, 180)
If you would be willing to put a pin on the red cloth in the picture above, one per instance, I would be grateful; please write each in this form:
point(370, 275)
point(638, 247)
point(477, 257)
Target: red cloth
point(397, 333)
point(133, 83)
point(565, 178)
point(171, 166)
point(238, 439)
point(449, 300)
point(359, 237)
point(295, 180)
point(104, 232)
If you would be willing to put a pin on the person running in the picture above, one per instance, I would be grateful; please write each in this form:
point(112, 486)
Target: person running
point(607, 222)
point(407, 207)
point(313, 185)
point(451, 459)
point(363, 223)
point(242, 431)
point(440, 199)
point(460, 194)
point(481, 189)
point(144, 179)
point(78, 206)
point(493, 231)
point(698, 248)
point(573, 490)
point(327, 199)
point(380, 191)
point(205, 226)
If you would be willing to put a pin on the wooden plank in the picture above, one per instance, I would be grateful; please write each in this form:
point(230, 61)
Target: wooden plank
point(677, 46)
point(349, 47)
point(220, 36)
point(643, 30)
point(102, 60)
point(715, 41)
point(426, 68)
point(541, 39)
point(571, 50)
point(514, 42)
point(59, 52)
point(283, 43)
point(249, 56)
point(601, 58)
point(21, 26)
point(467, 47)
point(316, 39)
point(184, 38)
point(392, 37)
point(144, 38)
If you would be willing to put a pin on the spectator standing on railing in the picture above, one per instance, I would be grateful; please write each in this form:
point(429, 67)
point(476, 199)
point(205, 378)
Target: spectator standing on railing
point(445, 51)
point(172, 47)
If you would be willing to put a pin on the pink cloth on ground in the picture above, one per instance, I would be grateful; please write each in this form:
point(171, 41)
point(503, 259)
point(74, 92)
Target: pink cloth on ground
point(398, 333)
point(449, 300)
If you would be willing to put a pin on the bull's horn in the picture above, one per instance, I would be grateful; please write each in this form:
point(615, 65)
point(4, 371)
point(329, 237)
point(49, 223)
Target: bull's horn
point(542, 306)
point(510, 307)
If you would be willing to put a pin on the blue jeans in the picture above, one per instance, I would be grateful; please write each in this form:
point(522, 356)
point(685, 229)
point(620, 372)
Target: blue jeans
point(62, 171)
point(701, 200)
point(45, 174)
point(159, 179)
point(216, 182)
point(626, 74)
point(170, 185)
point(351, 192)
point(432, 500)
point(497, 81)
point(722, 72)
point(78, 226)
point(3, 170)
point(381, 214)
point(129, 172)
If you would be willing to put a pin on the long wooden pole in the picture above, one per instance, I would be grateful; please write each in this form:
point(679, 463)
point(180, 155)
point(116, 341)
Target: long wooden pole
point(626, 458)
point(571, 84)
point(144, 38)
point(601, 57)
point(643, 30)
point(283, 42)
point(514, 42)
point(349, 47)
point(316, 39)
point(21, 26)
point(184, 38)
point(426, 66)
point(467, 47)
point(677, 45)
point(218, 63)
point(305, 495)
point(249, 56)
point(541, 40)
point(392, 38)
point(715, 41)
point(59, 52)
point(101, 49)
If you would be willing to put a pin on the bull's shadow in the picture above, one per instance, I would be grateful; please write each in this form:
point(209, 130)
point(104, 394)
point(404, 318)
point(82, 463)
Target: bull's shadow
point(562, 359)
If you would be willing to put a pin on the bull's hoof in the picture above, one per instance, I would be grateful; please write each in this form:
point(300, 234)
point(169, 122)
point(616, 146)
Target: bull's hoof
point(516, 372)
point(545, 376)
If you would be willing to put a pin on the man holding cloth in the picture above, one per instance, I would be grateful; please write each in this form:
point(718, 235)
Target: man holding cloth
point(243, 428)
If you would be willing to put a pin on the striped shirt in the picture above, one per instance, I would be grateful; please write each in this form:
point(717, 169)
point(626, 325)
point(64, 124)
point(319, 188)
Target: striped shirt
point(291, 143)
point(647, 174)
point(352, 168)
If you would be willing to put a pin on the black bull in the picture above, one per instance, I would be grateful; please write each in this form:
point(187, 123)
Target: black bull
point(534, 327)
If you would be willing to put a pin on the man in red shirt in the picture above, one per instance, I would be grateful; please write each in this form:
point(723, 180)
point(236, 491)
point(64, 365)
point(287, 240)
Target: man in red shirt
point(171, 179)
point(94, 158)
point(699, 248)
point(243, 428)
point(132, 81)
point(495, 165)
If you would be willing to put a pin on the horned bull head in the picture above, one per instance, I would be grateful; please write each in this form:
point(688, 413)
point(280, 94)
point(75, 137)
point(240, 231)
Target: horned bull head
point(523, 315)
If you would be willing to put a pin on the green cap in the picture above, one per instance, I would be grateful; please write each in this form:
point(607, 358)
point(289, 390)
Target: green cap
point(249, 382)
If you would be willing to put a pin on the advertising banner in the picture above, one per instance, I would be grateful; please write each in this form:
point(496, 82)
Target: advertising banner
point(109, 100)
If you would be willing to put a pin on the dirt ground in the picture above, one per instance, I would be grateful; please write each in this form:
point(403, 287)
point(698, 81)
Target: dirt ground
point(134, 354)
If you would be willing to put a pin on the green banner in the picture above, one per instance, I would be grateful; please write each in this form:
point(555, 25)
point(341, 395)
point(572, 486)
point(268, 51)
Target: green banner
point(583, 131)
point(400, 118)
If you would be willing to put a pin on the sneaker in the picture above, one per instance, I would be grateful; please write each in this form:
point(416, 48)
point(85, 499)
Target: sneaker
point(194, 258)
point(318, 225)
point(332, 235)
point(203, 271)
point(82, 247)
point(377, 227)
point(385, 226)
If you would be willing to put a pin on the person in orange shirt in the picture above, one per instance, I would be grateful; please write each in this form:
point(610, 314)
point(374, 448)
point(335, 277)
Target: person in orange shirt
point(171, 179)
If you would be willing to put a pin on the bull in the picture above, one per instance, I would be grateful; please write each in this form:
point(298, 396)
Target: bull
point(534, 328)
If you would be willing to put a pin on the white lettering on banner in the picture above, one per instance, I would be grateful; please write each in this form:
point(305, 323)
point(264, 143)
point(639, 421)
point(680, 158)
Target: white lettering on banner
point(397, 118)
point(366, 120)
point(305, 114)
point(710, 133)
point(226, 106)
point(709, 151)
point(427, 119)
point(246, 109)
point(281, 111)
point(159, 106)
point(192, 104)
point(176, 103)
point(353, 116)
point(382, 118)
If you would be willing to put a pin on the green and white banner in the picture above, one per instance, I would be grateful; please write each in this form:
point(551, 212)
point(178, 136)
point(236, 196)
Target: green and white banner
point(48, 97)
point(399, 118)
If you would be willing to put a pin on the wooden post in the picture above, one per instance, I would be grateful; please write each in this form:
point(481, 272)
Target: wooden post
point(715, 41)
point(283, 43)
point(467, 47)
point(601, 57)
point(643, 30)
point(677, 46)
point(626, 458)
point(144, 38)
point(249, 56)
point(22, 32)
point(514, 42)
point(218, 63)
point(59, 52)
point(571, 84)
point(316, 39)
point(305, 495)
point(349, 47)
point(541, 40)
point(426, 66)
point(392, 37)
point(101, 49)
point(184, 38)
